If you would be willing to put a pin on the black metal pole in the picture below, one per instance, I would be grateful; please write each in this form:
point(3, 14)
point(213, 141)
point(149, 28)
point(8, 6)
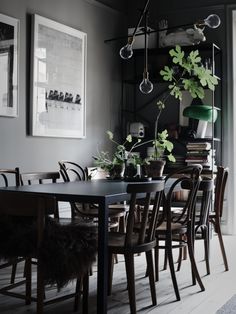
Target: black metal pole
point(148, 32)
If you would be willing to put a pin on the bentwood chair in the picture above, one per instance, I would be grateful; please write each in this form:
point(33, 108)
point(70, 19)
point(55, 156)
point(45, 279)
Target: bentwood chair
point(201, 218)
point(71, 171)
point(10, 176)
point(137, 240)
point(26, 230)
point(176, 231)
point(216, 215)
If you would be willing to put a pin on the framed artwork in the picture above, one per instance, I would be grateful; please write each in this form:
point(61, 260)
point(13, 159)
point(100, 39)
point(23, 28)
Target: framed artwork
point(9, 32)
point(58, 91)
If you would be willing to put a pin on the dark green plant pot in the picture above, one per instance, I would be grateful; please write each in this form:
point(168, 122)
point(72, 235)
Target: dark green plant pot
point(117, 172)
point(155, 168)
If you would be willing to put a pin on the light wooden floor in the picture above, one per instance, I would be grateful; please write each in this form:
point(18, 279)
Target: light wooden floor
point(220, 286)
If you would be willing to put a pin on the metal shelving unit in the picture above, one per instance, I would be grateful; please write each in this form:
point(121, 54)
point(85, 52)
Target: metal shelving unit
point(136, 107)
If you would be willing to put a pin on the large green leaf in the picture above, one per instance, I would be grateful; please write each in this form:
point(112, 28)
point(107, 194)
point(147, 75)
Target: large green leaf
point(195, 89)
point(177, 55)
point(175, 91)
point(167, 74)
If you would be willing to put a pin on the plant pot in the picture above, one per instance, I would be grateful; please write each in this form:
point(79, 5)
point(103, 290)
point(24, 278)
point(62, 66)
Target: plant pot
point(117, 172)
point(155, 168)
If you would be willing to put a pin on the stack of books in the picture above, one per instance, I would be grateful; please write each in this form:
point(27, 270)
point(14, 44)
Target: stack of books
point(200, 153)
point(179, 162)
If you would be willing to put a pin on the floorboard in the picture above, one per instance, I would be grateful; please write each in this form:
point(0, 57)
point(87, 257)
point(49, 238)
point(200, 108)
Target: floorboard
point(220, 287)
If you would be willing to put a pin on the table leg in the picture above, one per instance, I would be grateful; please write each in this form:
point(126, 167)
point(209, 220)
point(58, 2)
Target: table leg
point(102, 258)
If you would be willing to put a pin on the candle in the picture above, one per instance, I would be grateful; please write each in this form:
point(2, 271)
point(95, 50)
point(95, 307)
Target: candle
point(138, 171)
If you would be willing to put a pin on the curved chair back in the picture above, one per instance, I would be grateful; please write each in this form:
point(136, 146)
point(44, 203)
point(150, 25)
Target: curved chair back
point(9, 176)
point(187, 179)
point(71, 171)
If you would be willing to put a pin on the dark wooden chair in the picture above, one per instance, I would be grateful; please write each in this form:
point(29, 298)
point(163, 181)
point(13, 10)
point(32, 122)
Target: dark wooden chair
point(71, 171)
point(215, 216)
point(178, 230)
point(10, 176)
point(201, 218)
point(29, 178)
point(26, 216)
point(137, 240)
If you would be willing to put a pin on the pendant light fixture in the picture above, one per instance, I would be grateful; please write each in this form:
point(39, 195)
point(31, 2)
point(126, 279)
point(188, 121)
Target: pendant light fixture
point(146, 85)
point(126, 52)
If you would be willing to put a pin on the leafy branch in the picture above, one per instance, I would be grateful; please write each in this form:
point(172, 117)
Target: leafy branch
point(191, 75)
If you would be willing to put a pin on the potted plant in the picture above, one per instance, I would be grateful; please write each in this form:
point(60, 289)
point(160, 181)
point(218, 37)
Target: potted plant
point(154, 165)
point(185, 72)
point(115, 164)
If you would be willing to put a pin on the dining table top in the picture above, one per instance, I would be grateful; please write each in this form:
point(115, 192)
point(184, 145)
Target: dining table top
point(80, 190)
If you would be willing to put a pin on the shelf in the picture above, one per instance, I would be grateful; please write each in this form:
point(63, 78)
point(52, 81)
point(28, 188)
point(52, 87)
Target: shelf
point(205, 139)
point(165, 50)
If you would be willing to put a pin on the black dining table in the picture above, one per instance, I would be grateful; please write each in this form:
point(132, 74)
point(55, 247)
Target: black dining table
point(101, 192)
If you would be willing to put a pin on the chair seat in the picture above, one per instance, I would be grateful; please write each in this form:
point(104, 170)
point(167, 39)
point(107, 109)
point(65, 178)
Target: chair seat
point(116, 244)
point(92, 210)
point(176, 228)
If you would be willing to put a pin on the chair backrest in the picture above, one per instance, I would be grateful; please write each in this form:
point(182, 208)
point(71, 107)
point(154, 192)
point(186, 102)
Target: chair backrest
point(220, 184)
point(148, 224)
point(188, 179)
point(71, 171)
point(30, 178)
point(9, 177)
point(205, 189)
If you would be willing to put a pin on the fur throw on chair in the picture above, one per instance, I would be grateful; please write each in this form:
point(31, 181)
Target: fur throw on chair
point(67, 251)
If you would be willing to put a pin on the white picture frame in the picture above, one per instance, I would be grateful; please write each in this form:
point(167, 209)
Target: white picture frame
point(58, 91)
point(9, 64)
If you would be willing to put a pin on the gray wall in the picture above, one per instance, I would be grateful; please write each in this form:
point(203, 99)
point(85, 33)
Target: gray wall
point(103, 85)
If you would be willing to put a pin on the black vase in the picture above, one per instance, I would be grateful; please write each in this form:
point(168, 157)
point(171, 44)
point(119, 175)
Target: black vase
point(117, 172)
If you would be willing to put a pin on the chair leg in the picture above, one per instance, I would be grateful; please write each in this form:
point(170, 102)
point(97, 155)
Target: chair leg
point(78, 290)
point(172, 268)
point(110, 272)
point(218, 230)
point(150, 270)
point(180, 257)
point(193, 262)
point(13, 271)
point(156, 261)
point(129, 265)
point(182, 252)
point(85, 293)
point(206, 249)
point(40, 288)
point(165, 261)
point(28, 278)
point(122, 224)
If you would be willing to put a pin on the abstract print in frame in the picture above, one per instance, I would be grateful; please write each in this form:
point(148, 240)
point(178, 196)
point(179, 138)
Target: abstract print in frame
point(9, 32)
point(58, 79)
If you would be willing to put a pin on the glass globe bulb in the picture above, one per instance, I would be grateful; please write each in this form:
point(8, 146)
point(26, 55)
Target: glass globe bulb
point(146, 85)
point(212, 21)
point(126, 52)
